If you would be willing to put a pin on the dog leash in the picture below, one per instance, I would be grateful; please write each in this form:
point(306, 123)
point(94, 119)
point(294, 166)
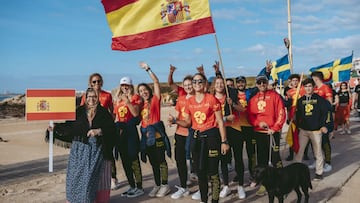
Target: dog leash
point(272, 145)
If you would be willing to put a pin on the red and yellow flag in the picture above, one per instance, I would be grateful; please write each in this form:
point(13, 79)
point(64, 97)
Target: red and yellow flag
point(138, 24)
point(50, 104)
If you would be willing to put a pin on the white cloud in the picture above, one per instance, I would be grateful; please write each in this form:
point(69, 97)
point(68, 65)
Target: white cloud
point(198, 51)
point(230, 14)
point(257, 48)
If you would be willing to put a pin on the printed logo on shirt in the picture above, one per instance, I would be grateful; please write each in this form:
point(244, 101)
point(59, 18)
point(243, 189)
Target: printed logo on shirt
point(122, 111)
point(308, 109)
point(261, 106)
point(199, 117)
point(213, 153)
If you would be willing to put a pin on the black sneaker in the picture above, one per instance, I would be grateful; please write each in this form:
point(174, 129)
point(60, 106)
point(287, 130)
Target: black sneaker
point(318, 177)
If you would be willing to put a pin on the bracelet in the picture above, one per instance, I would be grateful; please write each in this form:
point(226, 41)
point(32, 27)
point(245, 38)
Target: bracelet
point(224, 119)
point(149, 71)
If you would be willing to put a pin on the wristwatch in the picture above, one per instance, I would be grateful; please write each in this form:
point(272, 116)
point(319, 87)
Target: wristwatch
point(225, 142)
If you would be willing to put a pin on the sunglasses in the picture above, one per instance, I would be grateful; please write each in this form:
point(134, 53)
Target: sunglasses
point(96, 81)
point(199, 81)
point(261, 82)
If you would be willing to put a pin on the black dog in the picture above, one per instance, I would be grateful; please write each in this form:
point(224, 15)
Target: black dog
point(281, 181)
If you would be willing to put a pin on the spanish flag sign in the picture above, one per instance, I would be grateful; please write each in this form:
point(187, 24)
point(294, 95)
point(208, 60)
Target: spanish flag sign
point(50, 104)
point(139, 24)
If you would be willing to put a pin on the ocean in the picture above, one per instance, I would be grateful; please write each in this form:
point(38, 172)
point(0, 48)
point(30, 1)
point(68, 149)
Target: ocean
point(2, 96)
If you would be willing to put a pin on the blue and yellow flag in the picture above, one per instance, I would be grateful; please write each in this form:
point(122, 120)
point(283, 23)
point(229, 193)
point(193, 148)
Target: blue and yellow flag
point(281, 69)
point(336, 71)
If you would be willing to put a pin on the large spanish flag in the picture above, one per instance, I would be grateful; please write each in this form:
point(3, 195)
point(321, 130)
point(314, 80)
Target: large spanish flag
point(50, 104)
point(138, 24)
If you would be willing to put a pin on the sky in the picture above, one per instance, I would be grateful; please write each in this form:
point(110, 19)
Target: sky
point(59, 43)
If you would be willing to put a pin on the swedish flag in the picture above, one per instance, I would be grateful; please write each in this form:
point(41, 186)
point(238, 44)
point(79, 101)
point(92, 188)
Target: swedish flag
point(281, 69)
point(336, 71)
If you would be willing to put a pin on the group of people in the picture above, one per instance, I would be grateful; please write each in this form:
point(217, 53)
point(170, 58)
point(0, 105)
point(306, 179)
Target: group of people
point(214, 118)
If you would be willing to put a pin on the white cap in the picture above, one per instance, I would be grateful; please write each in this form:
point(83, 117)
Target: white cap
point(125, 81)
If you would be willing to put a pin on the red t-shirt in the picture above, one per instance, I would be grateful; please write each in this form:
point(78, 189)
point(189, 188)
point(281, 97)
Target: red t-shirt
point(243, 115)
point(105, 99)
point(236, 122)
point(181, 91)
point(324, 91)
point(150, 112)
point(122, 111)
point(291, 94)
point(202, 113)
point(180, 108)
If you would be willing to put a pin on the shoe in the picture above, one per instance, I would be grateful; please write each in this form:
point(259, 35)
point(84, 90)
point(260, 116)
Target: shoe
point(164, 190)
point(327, 168)
point(318, 177)
point(261, 191)
point(225, 191)
point(124, 194)
point(312, 166)
point(342, 132)
point(241, 192)
point(135, 192)
point(348, 131)
point(289, 158)
point(180, 193)
point(196, 195)
point(114, 184)
point(154, 191)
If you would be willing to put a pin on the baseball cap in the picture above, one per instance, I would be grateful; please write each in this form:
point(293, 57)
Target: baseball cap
point(240, 78)
point(125, 81)
point(261, 78)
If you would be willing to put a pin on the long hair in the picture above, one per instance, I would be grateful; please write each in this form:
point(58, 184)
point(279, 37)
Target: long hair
point(147, 87)
point(98, 75)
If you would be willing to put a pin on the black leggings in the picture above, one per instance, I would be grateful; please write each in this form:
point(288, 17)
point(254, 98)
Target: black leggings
point(131, 166)
point(206, 155)
point(156, 154)
point(180, 157)
point(236, 141)
point(263, 142)
point(249, 136)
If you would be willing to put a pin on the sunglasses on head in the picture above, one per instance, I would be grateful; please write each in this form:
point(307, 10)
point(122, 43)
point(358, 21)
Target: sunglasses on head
point(199, 81)
point(96, 81)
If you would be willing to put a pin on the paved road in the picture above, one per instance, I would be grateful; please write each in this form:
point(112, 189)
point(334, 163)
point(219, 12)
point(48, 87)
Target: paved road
point(339, 185)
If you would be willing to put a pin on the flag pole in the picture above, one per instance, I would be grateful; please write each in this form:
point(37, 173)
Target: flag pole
point(51, 141)
point(289, 47)
point(222, 69)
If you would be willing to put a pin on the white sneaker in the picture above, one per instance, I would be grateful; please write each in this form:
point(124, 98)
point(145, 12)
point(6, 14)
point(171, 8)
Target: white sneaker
point(114, 184)
point(180, 193)
point(327, 168)
point(348, 131)
point(312, 166)
point(154, 191)
point(342, 132)
point(225, 191)
point(164, 190)
point(241, 192)
point(196, 195)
